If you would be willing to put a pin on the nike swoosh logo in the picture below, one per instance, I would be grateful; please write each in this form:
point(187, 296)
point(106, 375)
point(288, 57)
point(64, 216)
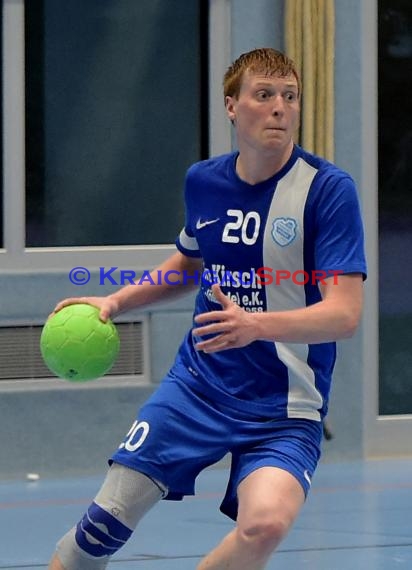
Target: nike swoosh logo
point(200, 224)
point(307, 476)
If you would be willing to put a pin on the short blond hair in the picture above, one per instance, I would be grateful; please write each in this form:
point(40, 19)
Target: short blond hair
point(262, 60)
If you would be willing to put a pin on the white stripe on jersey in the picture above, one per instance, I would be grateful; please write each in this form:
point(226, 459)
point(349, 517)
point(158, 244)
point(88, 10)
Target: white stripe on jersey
point(289, 202)
point(188, 242)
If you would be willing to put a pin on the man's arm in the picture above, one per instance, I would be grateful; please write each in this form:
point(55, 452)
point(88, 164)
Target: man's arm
point(146, 293)
point(133, 296)
point(335, 317)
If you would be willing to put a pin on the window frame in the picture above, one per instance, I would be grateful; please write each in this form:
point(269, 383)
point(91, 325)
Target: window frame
point(15, 256)
point(383, 435)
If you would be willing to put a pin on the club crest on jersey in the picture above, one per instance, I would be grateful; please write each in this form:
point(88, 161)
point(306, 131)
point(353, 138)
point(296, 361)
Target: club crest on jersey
point(284, 230)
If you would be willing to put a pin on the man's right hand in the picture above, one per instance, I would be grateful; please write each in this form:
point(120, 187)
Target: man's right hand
point(107, 305)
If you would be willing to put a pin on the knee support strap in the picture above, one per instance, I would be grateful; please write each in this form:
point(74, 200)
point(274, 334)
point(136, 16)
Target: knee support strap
point(125, 496)
point(101, 534)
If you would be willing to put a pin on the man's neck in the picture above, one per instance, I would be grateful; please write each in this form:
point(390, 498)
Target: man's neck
point(254, 168)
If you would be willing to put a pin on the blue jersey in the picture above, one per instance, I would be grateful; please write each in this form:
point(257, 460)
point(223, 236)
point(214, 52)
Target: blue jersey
point(268, 245)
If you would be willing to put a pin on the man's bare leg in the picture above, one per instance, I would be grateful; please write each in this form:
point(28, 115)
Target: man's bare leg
point(55, 564)
point(269, 501)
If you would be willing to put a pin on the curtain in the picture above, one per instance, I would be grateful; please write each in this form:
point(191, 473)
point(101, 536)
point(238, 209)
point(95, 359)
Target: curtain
point(310, 42)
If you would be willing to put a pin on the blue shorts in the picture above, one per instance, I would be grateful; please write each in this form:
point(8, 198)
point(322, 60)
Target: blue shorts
point(178, 433)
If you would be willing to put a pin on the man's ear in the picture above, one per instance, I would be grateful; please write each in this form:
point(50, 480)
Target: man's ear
point(230, 108)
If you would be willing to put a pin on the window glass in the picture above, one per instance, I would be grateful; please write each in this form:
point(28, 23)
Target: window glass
point(395, 205)
point(115, 112)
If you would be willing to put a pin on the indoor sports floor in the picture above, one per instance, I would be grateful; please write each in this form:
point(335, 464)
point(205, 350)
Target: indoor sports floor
point(357, 517)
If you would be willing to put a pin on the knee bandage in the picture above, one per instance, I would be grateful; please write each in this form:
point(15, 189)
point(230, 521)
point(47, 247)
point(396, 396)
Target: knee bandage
point(123, 499)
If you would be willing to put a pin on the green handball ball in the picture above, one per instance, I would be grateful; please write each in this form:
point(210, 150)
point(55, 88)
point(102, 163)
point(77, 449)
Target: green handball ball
point(77, 346)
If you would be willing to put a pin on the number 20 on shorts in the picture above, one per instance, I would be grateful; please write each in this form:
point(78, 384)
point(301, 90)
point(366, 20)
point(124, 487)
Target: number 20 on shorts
point(135, 436)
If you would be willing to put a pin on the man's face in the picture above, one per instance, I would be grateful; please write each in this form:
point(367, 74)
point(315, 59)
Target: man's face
point(266, 113)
